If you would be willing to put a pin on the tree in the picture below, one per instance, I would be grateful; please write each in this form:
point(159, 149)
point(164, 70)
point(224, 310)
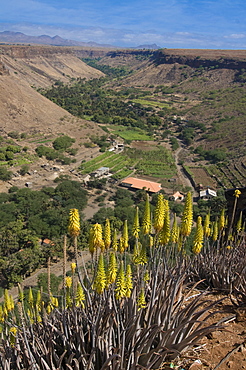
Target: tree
point(5, 175)
point(63, 142)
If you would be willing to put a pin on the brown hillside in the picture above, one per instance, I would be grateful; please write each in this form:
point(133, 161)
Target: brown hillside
point(22, 108)
point(42, 66)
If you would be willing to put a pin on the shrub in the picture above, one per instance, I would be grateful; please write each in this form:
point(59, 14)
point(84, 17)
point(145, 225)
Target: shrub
point(63, 142)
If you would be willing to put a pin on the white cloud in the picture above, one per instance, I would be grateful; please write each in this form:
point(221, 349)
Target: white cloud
point(236, 36)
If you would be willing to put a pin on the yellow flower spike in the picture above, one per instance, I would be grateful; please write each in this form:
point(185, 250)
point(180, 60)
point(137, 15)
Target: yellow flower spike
point(12, 335)
point(107, 234)
point(142, 256)
point(91, 243)
point(100, 279)
point(1, 314)
point(73, 267)
point(30, 315)
point(128, 281)
point(96, 238)
point(7, 301)
point(222, 220)
point(198, 239)
point(115, 241)
point(146, 223)
point(121, 246)
point(215, 231)
point(30, 298)
point(174, 230)
point(165, 232)
point(187, 217)
point(80, 296)
point(68, 299)
point(237, 193)
point(120, 285)
point(38, 301)
point(146, 276)
point(68, 281)
point(21, 293)
point(151, 241)
point(135, 226)
point(206, 226)
point(112, 268)
point(136, 252)
point(159, 214)
point(125, 235)
point(141, 302)
point(12, 302)
point(239, 223)
point(74, 222)
point(49, 308)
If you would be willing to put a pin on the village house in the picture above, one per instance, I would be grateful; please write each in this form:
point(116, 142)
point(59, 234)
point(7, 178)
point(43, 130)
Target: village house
point(207, 194)
point(102, 171)
point(140, 184)
point(177, 196)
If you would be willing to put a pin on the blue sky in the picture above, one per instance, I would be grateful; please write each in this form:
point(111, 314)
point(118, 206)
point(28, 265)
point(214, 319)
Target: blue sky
point(213, 24)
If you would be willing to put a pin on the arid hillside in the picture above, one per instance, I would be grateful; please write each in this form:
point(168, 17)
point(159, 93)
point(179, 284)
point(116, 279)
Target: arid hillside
point(22, 108)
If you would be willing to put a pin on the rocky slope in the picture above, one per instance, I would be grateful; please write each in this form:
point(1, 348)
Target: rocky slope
point(22, 108)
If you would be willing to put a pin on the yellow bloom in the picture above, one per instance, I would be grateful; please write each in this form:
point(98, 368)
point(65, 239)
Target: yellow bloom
point(159, 214)
point(215, 231)
point(186, 223)
point(68, 281)
point(100, 279)
point(146, 223)
point(107, 234)
point(135, 227)
point(120, 285)
point(222, 220)
point(237, 193)
point(74, 222)
point(73, 267)
point(141, 303)
point(125, 235)
point(206, 227)
point(12, 335)
point(174, 236)
point(146, 276)
point(112, 269)
point(115, 241)
point(96, 238)
point(128, 281)
point(198, 239)
point(80, 296)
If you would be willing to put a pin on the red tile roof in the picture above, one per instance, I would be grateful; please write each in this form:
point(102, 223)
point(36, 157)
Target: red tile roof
point(133, 182)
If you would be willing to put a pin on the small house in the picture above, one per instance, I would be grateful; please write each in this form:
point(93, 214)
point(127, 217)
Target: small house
point(177, 196)
point(140, 184)
point(102, 171)
point(207, 194)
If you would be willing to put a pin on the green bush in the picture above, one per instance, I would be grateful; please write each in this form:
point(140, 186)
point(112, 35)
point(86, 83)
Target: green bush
point(63, 142)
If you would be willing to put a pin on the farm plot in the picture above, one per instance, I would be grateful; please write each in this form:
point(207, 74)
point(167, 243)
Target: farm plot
point(118, 164)
point(130, 133)
point(201, 176)
point(157, 163)
point(229, 176)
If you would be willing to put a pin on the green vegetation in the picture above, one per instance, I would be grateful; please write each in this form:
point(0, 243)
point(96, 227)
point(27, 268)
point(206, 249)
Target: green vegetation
point(113, 72)
point(130, 134)
point(63, 142)
point(27, 216)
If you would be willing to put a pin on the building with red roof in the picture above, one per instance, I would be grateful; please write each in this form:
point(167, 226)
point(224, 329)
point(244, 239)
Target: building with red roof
point(139, 184)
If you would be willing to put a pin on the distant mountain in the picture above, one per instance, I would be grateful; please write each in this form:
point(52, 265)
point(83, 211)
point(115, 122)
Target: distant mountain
point(21, 38)
point(146, 46)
